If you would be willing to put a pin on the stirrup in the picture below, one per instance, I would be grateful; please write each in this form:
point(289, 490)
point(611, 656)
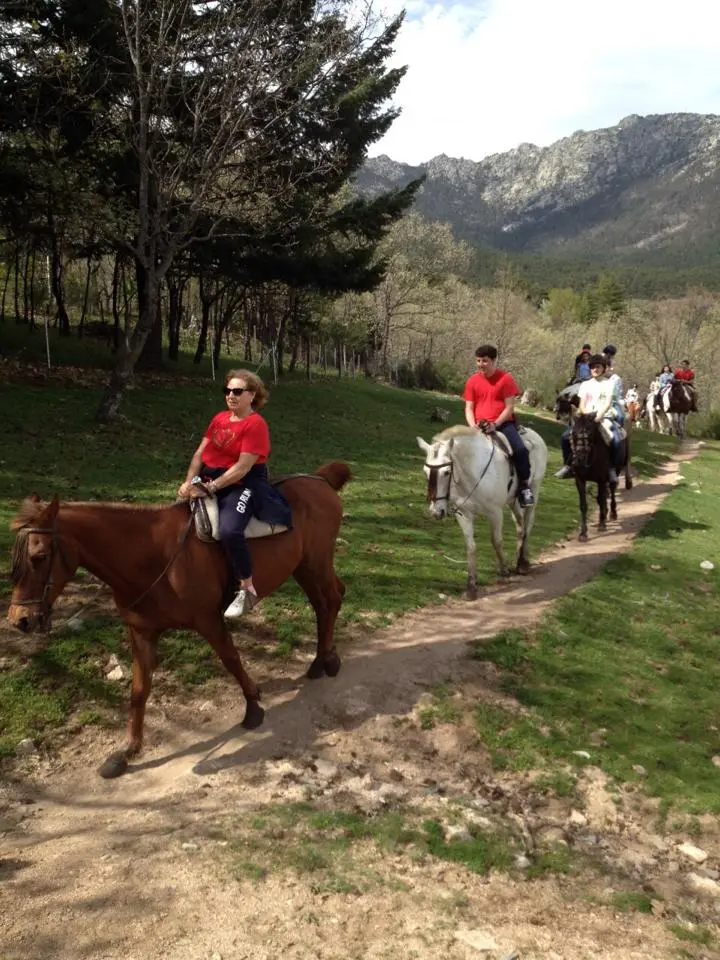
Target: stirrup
point(243, 603)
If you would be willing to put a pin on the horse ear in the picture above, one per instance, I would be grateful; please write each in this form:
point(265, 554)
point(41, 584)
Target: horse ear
point(34, 498)
point(422, 444)
point(51, 511)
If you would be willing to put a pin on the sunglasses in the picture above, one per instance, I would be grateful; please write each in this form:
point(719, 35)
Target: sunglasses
point(236, 391)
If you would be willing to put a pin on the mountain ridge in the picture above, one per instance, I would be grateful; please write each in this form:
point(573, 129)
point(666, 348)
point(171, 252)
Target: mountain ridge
point(647, 184)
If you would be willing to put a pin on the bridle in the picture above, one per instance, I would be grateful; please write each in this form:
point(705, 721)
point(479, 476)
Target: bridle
point(433, 468)
point(56, 550)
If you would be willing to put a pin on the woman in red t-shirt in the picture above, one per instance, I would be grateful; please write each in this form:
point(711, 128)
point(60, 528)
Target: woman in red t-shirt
point(231, 461)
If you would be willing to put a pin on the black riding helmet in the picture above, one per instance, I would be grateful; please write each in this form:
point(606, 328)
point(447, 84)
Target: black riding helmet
point(609, 350)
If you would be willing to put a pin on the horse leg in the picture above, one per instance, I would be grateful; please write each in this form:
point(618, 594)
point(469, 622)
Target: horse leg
point(220, 639)
point(582, 496)
point(495, 518)
point(467, 525)
point(602, 504)
point(325, 593)
point(613, 501)
point(524, 520)
point(144, 658)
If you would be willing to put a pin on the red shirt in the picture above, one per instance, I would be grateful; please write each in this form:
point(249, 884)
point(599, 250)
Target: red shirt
point(488, 394)
point(682, 374)
point(229, 438)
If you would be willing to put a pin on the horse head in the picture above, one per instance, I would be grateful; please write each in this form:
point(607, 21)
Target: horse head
point(566, 401)
point(438, 470)
point(583, 438)
point(40, 566)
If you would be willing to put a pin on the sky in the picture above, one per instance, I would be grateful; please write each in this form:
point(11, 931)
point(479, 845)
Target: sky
point(487, 75)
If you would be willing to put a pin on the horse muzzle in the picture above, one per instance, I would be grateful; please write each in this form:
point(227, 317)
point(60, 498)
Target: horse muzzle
point(438, 511)
point(29, 621)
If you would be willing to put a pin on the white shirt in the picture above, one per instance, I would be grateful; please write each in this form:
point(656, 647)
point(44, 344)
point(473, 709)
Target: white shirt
point(617, 385)
point(631, 396)
point(596, 395)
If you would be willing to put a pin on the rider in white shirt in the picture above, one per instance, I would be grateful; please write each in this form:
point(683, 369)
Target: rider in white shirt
point(596, 396)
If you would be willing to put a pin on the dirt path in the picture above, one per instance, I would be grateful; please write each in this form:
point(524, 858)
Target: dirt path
point(151, 865)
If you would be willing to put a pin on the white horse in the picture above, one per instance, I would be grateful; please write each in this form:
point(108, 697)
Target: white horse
point(472, 472)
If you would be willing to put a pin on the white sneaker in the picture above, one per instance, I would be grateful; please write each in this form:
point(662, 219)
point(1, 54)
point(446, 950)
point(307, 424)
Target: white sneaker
point(564, 472)
point(243, 603)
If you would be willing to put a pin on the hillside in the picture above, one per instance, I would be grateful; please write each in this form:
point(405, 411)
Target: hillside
point(644, 191)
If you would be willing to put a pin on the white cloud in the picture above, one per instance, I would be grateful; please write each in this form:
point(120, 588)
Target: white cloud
point(485, 76)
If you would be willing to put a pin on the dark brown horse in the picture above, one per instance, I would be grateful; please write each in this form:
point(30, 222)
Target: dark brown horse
point(680, 402)
point(164, 578)
point(591, 464)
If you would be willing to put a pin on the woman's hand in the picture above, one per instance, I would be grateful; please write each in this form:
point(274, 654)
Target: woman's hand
point(184, 490)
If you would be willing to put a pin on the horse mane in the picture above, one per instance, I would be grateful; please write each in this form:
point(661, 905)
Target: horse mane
point(458, 430)
point(29, 511)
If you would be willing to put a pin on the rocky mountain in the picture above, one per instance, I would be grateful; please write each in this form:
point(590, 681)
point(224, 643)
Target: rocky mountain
point(648, 187)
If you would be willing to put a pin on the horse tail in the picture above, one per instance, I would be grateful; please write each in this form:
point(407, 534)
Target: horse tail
point(335, 473)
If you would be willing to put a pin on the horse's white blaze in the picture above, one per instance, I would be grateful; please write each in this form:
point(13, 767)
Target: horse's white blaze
point(474, 477)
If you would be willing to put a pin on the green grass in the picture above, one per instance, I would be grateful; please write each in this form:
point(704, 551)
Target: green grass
point(392, 556)
point(633, 652)
point(323, 845)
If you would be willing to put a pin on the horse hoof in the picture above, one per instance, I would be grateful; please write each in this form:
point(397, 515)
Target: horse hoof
point(115, 765)
point(602, 527)
point(316, 669)
point(254, 715)
point(332, 664)
point(505, 573)
point(628, 483)
point(613, 514)
point(523, 568)
point(470, 594)
point(582, 537)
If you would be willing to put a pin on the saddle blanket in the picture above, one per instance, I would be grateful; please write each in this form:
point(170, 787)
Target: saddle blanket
point(207, 521)
point(606, 432)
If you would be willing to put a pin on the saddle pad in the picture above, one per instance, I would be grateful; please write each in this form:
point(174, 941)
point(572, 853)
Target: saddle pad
point(606, 432)
point(207, 522)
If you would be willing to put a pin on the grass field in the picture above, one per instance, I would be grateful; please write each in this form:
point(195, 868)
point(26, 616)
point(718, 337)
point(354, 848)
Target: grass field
point(391, 556)
point(627, 668)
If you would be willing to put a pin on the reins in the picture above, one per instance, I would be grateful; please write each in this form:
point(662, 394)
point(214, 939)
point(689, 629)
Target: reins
point(181, 541)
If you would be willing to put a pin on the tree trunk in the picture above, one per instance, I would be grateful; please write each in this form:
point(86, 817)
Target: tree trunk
point(17, 283)
point(202, 337)
point(174, 306)
point(132, 347)
point(150, 357)
point(115, 304)
point(56, 283)
point(307, 358)
point(86, 296)
point(32, 289)
point(26, 287)
point(4, 292)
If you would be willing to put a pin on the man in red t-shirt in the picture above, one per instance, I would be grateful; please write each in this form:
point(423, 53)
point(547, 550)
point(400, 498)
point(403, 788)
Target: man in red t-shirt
point(686, 374)
point(489, 397)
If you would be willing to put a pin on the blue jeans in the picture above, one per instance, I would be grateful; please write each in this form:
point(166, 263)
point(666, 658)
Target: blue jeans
point(236, 507)
point(520, 452)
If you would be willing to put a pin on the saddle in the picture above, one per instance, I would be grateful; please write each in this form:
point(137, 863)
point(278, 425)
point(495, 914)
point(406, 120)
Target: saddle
point(207, 521)
point(606, 432)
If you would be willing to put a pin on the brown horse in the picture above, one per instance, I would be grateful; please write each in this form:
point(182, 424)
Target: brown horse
point(164, 578)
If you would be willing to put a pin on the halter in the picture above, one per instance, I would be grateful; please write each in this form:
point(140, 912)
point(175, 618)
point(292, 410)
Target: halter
point(43, 602)
point(432, 481)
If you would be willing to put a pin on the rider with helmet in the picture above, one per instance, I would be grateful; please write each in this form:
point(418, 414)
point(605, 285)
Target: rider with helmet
point(596, 396)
